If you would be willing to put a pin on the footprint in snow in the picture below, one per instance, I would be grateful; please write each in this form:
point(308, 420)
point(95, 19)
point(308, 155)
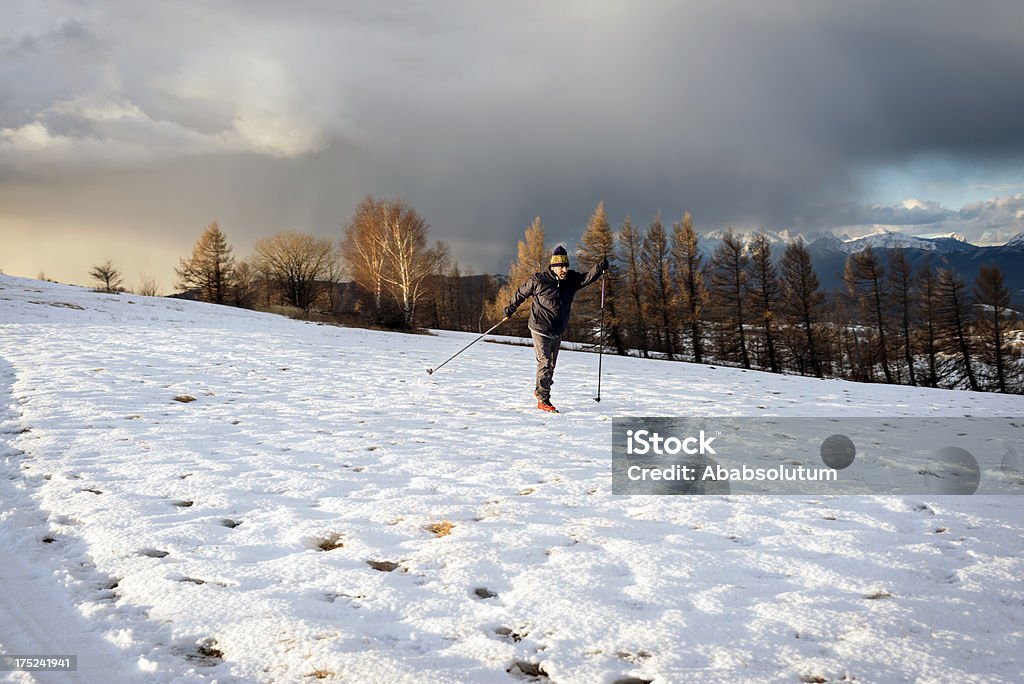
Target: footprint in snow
point(383, 566)
point(522, 668)
point(107, 590)
point(205, 653)
point(507, 633)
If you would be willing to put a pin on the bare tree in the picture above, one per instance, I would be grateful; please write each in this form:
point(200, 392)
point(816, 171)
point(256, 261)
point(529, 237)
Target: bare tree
point(409, 261)
point(297, 264)
point(148, 286)
point(210, 267)
point(439, 298)
point(386, 249)
point(363, 252)
point(108, 276)
point(244, 285)
point(450, 294)
point(332, 280)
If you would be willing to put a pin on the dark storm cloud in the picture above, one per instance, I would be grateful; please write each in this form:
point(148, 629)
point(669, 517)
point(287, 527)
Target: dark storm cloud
point(484, 115)
point(760, 115)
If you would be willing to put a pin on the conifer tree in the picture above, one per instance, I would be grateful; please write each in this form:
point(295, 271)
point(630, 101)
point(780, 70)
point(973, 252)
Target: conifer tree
point(632, 308)
point(210, 268)
point(532, 257)
point(657, 269)
point(693, 295)
point(901, 288)
point(994, 322)
point(865, 281)
point(955, 316)
point(765, 291)
point(802, 302)
point(597, 244)
point(854, 349)
point(926, 286)
point(729, 295)
point(107, 274)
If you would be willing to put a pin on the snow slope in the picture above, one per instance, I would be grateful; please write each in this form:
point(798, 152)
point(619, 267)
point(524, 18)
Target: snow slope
point(276, 529)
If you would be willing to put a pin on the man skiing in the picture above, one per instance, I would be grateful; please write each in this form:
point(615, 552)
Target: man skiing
point(553, 292)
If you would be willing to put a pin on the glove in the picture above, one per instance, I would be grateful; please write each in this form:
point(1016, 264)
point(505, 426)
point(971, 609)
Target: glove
point(509, 310)
point(603, 265)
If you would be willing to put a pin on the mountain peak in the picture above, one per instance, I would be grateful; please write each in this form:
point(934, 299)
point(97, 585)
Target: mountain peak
point(1016, 242)
point(890, 240)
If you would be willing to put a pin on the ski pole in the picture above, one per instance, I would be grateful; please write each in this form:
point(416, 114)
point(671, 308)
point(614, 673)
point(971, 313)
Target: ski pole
point(430, 371)
point(600, 350)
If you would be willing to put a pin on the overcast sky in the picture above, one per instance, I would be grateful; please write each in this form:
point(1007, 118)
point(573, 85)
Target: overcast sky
point(126, 127)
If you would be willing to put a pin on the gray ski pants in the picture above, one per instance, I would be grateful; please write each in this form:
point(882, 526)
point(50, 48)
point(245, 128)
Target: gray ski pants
point(546, 350)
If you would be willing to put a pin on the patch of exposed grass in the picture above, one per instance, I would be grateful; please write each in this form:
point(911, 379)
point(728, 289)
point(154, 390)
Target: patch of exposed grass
point(330, 542)
point(441, 529)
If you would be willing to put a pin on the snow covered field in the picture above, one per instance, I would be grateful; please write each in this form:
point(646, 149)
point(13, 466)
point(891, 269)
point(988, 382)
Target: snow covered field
point(325, 509)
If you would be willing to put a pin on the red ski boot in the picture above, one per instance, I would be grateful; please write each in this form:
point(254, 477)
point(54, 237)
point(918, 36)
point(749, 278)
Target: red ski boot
point(543, 404)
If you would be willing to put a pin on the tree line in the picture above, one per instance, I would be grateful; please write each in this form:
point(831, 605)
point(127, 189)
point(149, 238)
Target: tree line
point(745, 305)
point(749, 307)
point(381, 272)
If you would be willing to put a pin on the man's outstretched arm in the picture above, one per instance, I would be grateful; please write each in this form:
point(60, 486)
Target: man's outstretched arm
point(519, 296)
point(594, 273)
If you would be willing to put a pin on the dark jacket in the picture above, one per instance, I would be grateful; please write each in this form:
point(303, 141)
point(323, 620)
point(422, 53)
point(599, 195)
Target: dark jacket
point(552, 299)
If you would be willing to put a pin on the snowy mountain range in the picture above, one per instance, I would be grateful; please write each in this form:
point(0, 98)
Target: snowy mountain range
point(892, 240)
point(829, 253)
point(824, 241)
point(948, 251)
